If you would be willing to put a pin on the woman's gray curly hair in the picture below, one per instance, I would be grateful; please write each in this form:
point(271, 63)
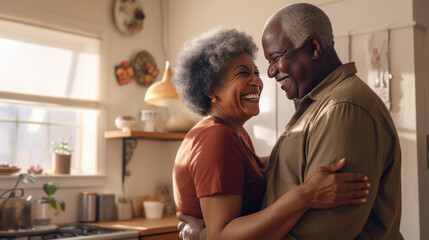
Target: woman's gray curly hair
point(198, 67)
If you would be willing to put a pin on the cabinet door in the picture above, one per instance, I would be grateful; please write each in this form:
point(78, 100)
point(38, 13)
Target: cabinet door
point(166, 236)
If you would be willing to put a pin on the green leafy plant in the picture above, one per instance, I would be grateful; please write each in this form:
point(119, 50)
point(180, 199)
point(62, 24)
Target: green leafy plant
point(50, 189)
point(25, 178)
point(61, 147)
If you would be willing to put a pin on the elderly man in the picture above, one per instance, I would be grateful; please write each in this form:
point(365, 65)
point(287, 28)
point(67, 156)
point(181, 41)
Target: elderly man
point(337, 115)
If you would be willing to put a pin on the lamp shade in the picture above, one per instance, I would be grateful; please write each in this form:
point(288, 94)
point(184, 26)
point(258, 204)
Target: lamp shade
point(159, 91)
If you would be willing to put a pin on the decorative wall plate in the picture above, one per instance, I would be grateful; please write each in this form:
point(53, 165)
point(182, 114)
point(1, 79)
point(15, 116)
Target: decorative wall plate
point(128, 16)
point(124, 73)
point(145, 69)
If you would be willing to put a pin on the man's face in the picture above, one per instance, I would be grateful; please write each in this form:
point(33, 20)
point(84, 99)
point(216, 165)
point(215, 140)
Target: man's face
point(290, 66)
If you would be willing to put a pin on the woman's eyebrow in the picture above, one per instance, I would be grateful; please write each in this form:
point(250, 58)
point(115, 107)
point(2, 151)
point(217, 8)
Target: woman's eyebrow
point(244, 66)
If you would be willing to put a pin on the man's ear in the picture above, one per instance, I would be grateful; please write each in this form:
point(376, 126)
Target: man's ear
point(316, 49)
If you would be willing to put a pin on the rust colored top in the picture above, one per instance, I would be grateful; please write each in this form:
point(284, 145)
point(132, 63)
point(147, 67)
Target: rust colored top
point(214, 159)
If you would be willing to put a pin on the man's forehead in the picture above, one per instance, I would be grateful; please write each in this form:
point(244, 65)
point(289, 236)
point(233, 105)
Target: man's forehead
point(274, 36)
point(272, 25)
point(275, 33)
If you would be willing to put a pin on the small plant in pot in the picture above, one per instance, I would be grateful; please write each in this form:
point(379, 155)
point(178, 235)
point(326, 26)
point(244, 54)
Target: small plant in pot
point(62, 157)
point(46, 207)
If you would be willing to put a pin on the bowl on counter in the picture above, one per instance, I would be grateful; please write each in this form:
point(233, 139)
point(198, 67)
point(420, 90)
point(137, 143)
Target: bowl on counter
point(9, 170)
point(153, 209)
point(125, 123)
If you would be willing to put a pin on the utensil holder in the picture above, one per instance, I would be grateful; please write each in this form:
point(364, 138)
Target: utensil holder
point(124, 211)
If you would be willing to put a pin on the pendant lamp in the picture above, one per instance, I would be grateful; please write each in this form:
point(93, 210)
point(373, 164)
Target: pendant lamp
point(159, 93)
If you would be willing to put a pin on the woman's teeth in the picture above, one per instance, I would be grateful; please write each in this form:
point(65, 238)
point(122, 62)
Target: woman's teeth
point(250, 96)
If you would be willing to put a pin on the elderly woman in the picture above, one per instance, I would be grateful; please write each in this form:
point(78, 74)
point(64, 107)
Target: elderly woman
point(217, 175)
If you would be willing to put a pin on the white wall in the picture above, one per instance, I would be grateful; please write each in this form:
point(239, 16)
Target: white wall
point(421, 51)
point(192, 17)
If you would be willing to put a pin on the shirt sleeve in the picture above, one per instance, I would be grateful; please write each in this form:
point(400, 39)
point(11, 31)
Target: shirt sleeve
point(344, 130)
point(217, 163)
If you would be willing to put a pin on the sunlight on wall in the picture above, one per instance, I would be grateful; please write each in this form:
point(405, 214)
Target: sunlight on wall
point(264, 134)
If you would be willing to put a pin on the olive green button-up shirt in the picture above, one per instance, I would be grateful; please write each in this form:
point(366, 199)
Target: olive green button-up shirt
point(341, 117)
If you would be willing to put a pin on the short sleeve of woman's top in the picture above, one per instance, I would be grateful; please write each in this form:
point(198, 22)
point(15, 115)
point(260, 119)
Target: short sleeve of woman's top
point(216, 162)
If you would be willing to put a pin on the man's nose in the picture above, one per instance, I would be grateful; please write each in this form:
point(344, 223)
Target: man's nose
point(272, 70)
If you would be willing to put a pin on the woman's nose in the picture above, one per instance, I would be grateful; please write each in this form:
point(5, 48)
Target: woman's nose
point(256, 81)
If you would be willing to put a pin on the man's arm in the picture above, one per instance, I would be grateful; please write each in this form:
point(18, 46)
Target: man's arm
point(345, 130)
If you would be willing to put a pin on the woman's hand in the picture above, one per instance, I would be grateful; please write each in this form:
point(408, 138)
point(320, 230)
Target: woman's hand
point(326, 189)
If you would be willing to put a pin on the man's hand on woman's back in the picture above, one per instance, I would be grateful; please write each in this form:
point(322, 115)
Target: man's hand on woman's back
point(189, 227)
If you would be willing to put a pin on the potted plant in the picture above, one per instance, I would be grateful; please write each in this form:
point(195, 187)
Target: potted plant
point(62, 157)
point(47, 207)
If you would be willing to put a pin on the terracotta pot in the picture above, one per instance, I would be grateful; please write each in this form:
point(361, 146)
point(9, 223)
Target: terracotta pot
point(62, 163)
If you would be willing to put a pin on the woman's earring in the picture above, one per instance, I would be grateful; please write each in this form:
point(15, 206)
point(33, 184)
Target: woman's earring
point(213, 99)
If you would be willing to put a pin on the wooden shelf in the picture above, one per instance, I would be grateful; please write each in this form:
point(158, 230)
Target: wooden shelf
point(147, 135)
point(129, 143)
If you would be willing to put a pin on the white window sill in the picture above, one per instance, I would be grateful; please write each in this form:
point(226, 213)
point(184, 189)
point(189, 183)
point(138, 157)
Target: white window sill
point(65, 181)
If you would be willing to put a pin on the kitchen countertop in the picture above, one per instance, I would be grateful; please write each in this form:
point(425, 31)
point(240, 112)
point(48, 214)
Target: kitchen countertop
point(143, 225)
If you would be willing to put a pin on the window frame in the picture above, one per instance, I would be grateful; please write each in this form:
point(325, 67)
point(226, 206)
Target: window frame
point(65, 24)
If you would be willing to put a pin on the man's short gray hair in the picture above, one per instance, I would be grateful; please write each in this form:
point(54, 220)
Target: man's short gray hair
point(301, 20)
point(198, 67)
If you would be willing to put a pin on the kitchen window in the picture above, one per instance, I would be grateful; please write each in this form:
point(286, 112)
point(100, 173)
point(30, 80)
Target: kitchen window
point(50, 89)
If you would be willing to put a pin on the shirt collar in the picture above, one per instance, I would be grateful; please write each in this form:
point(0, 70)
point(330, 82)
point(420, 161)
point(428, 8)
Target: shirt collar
point(332, 80)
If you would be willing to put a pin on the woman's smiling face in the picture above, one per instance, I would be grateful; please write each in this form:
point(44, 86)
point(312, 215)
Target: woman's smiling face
point(237, 97)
